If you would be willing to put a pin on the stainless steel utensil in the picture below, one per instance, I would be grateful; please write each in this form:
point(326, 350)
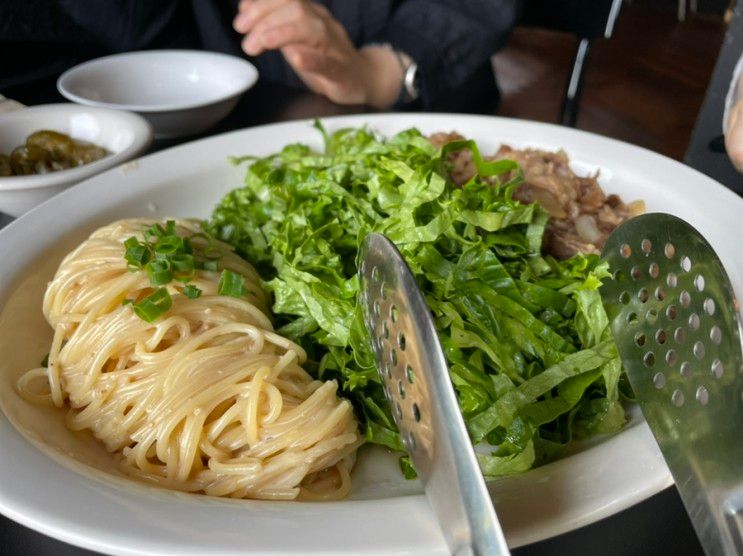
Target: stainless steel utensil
point(416, 381)
point(675, 318)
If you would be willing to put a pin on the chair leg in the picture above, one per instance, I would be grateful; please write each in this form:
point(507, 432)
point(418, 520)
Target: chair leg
point(575, 84)
point(682, 10)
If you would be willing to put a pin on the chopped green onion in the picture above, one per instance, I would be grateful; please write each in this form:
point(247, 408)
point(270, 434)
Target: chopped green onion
point(137, 254)
point(156, 230)
point(183, 266)
point(210, 265)
point(191, 291)
point(154, 305)
point(182, 262)
point(168, 245)
point(166, 256)
point(159, 273)
point(231, 283)
point(131, 242)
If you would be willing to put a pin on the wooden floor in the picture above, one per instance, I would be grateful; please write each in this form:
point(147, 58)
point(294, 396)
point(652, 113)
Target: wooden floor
point(645, 85)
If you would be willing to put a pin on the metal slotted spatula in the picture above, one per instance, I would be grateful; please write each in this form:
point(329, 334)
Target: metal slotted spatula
point(675, 320)
point(416, 381)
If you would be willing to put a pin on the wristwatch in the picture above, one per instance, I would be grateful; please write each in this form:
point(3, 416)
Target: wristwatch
point(410, 89)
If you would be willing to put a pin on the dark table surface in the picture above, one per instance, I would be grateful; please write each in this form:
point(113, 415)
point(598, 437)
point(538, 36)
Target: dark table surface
point(657, 526)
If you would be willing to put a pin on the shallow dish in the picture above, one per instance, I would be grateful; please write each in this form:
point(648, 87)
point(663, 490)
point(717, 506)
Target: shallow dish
point(180, 92)
point(84, 501)
point(124, 135)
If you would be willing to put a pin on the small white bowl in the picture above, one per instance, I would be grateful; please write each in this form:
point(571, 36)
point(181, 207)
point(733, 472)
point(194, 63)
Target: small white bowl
point(180, 92)
point(124, 134)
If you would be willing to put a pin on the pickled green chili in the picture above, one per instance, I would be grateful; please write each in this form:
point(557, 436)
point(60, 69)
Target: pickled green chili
point(49, 151)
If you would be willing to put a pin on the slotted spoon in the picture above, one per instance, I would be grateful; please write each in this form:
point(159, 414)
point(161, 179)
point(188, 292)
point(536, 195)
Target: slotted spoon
point(416, 382)
point(675, 319)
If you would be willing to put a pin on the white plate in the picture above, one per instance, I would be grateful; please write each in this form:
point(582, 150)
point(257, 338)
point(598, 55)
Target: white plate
point(69, 500)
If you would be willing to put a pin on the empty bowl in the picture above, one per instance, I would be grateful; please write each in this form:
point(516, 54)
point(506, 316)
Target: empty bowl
point(123, 134)
point(180, 92)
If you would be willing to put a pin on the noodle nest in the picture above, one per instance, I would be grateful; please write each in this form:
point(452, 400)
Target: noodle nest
point(207, 398)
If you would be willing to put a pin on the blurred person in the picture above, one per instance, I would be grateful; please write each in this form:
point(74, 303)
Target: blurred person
point(382, 53)
point(415, 47)
point(732, 122)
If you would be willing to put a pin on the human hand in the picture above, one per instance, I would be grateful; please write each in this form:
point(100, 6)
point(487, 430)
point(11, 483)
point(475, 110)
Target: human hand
point(734, 131)
point(319, 49)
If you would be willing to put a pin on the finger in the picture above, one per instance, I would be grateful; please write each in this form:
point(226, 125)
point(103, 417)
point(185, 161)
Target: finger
point(320, 10)
point(311, 33)
point(305, 59)
point(292, 22)
point(252, 11)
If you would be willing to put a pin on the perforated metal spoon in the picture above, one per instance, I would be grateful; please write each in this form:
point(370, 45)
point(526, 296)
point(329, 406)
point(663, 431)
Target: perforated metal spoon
point(675, 318)
point(416, 381)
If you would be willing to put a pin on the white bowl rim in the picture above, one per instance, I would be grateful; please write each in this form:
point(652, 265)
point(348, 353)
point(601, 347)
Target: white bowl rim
point(142, 139)
point(251, 76)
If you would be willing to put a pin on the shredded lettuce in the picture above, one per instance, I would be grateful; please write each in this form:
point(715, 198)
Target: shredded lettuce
point(526, 337)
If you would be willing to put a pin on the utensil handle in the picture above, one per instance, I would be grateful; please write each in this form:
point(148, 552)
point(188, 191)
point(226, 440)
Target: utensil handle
point(425, 408)
point(733, 512)
point(468, 516)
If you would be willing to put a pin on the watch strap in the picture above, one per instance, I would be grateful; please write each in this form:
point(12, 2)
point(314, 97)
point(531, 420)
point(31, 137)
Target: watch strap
point(409, 90)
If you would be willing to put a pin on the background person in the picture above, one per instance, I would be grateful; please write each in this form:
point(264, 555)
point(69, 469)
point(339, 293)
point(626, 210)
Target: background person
point(352, 51)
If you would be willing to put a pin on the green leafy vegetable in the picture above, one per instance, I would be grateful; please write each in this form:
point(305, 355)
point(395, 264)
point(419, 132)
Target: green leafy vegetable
point(526, 337)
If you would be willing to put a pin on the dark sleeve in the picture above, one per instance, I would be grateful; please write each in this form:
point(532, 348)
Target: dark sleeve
point(48, 36)
point(449, 39)
point(126, 25)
